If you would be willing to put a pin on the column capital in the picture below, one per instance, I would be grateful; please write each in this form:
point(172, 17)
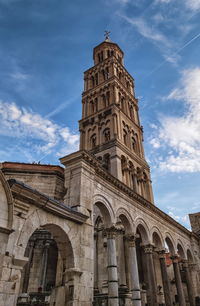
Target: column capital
point(185, 263)
point(148, 248)
point(111, 232)
point(131, 238)
point(192, 265)
point(161, 253)
point(175, 258)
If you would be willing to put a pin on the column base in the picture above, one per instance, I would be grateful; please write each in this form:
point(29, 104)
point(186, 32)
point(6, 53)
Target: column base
point(136, 297)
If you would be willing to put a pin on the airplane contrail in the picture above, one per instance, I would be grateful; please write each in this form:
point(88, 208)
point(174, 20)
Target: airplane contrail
point(178, 51)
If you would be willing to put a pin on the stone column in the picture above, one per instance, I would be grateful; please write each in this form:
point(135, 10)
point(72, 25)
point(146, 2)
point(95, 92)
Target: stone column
point(96, 261)
point(178, 281)
point(28, 268)
point(189, 283)
point(114, 119)
point(113, 297)
point(133, 268)
point(151, 279)
point(44, 265)
point(165, 279)
point(150, 192)
point(135, 183)
point(142, 187)
point(121, 266)
point(82, 139)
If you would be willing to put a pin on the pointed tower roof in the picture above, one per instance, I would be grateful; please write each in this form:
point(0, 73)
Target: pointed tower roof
point(107, 42)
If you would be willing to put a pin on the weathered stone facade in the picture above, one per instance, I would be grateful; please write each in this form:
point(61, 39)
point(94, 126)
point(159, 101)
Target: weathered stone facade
point(90, 233)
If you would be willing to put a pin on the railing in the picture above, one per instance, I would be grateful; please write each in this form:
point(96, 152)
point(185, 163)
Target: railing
point(34, 298)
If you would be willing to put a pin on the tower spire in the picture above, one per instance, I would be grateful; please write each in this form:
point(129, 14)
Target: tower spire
point(110, 127)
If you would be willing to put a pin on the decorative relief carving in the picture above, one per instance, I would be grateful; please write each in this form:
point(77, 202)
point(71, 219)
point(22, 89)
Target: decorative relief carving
point(148, 249)
point(131, 238)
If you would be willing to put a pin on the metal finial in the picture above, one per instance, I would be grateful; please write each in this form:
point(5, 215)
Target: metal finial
point(107, 34)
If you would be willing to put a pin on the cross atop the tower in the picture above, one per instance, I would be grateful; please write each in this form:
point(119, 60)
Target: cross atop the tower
point(107, 35)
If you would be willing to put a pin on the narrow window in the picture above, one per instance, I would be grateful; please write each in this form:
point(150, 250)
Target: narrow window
point(125, 137)
point(106, 161)
point(92, 107)
point(101, 56)
point(108, 97)
point(106, 134)
point(119, 97)
point(96, 78)
point(93, 140)
point(133, 143)
point(122, 104)
point(104, 75)
point(131, 112)
point(104, 101)
point(95, 105)
point(107, 73)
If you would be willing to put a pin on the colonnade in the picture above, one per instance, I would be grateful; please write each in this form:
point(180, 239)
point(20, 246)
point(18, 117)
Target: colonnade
point(123, 271)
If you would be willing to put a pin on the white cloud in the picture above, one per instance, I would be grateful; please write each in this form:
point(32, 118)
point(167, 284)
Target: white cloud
point(20, 76)
point(147, 31)
point(155, 143)
point(180, 135)
point(39, 135)
point(183, 219)
point(193, 4)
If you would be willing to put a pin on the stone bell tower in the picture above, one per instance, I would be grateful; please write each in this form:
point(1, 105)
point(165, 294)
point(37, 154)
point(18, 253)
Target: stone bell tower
point(110, 126)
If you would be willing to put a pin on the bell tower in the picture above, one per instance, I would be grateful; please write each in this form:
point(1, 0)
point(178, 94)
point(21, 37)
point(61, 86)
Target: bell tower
point(110, 126)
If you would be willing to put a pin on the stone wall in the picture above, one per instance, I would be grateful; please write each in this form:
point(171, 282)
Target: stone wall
point(47, 179)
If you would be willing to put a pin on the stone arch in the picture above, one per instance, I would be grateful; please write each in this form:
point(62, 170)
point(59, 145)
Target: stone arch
point(143, 230)
point(6, 202)
point(60, 275)
point(180, 249)
point(190, 256)
point(126, 220)
point(156, 237)
point(105, 208)
point(63, 243)
point(170, 243)
point(40, 219)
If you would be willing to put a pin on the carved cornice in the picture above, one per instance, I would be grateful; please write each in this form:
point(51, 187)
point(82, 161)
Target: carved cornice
point(6, 230)
point(26, 194)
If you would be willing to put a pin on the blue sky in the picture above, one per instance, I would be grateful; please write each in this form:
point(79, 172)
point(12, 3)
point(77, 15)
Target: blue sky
point(47, 44)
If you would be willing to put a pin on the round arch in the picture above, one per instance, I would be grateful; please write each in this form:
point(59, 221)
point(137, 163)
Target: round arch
point(156, 240)
point(143, 230)
point(126, 220)
point(57, 227)
point(180, 249)
point(157, 237)
point(6, 218)
point(170, 243)
point(105, 209)
point(190, 256)
point(63, 243)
